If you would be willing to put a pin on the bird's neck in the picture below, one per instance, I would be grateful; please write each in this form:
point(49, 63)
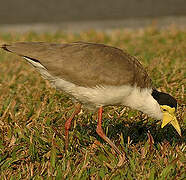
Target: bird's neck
point(144, 101)
point(155, 94)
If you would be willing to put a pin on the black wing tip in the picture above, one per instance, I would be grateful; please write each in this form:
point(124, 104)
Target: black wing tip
point(4, 46)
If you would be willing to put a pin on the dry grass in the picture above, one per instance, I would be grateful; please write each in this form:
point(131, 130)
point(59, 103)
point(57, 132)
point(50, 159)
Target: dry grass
point(32, 116)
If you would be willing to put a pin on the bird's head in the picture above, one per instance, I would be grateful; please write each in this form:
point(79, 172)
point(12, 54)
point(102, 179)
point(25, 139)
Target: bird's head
point(168, 106)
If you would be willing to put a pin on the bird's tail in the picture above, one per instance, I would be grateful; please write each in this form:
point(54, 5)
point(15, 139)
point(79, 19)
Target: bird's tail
point(4, 46)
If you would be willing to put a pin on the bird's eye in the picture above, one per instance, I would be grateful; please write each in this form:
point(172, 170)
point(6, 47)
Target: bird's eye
point(164, 110)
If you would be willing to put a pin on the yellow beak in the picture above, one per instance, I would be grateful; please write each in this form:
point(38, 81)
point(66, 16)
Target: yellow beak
point(169, 117)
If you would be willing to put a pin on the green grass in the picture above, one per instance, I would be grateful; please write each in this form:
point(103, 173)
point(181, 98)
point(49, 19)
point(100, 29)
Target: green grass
point(32, 116)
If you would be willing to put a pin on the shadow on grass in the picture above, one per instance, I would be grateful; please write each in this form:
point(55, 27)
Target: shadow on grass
point(137, 131)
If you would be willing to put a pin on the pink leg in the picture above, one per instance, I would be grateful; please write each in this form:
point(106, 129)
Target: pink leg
point(68, 124)
point(100, 132)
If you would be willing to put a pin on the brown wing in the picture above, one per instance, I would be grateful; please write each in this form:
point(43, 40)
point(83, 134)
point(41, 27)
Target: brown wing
point(85, 64)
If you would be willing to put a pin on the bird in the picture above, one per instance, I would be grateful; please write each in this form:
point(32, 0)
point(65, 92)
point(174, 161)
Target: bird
point(96, 75)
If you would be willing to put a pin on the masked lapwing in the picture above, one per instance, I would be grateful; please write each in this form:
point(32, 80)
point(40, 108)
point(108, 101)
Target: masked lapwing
point(97, 75)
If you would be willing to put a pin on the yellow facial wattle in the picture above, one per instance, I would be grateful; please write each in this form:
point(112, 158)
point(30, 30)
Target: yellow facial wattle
point(169, 117)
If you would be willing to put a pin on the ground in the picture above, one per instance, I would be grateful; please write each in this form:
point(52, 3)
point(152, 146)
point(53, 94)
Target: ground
point(32, 115)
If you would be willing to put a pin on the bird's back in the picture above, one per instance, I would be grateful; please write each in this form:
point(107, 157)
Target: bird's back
point(85, 64)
